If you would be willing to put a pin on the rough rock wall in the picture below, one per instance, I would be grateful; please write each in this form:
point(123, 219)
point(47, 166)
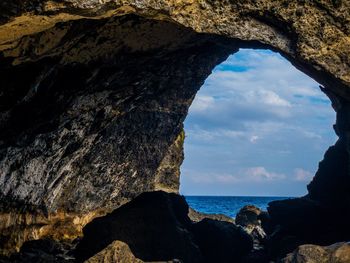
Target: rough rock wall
point(313, 34)
point(92, 97)
point(96, 120)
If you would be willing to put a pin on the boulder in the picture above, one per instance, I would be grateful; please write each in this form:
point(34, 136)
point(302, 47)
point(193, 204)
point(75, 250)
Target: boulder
point(301, 221)
point(115, 252)
point(221, 241)
point(266, 223)
point(337, 253)
point(248, 216)
point(155, 226)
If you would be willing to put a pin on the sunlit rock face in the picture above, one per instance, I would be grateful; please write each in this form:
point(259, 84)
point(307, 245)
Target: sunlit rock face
point(93, 95)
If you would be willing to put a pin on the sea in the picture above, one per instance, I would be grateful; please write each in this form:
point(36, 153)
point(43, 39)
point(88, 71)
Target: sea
point(228, 205)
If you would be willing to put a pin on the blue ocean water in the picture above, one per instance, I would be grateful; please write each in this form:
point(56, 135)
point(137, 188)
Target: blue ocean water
point(228, 205)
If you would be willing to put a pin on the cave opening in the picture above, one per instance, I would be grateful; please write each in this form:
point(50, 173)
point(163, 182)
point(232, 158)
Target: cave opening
point(258, 127)
point(96, 121)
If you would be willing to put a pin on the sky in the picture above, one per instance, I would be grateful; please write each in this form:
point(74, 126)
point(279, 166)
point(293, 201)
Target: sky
point(257, 127)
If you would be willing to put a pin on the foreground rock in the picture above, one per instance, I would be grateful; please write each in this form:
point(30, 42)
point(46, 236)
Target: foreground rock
point(221, 241)
point(43, 250)
point(305, 221)
point(115, 252)
point(337, 253)
point(249, 217)
point(156, 227)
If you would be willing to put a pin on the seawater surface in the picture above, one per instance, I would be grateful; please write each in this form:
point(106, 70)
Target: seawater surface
point(228, 205)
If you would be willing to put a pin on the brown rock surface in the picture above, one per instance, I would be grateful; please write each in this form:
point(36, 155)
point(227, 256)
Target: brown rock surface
point(339, 253)
point(248, 216)
point(196, 216)
point(115, 252)
point(93, 94)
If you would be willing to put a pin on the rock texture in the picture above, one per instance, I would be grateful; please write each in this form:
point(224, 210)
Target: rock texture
point(42, 250)
point(248, 216)
point(339, 252)
point(80, 139)
point(93, 94)
point(115, 252)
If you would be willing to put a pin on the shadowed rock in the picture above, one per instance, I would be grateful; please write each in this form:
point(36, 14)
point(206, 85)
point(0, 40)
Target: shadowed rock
point(93, 95)
point(154, 225)
point(304, 221)
point(221, 241)
point(249, 217)
point(44, 251)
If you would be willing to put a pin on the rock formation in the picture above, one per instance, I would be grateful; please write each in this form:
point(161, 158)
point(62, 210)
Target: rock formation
point(249, 218)
point(117, 251)
point(156, 227)
point(93, 94)
point(339, 252)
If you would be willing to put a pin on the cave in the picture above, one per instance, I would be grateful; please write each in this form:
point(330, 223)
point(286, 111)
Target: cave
point(93, 96)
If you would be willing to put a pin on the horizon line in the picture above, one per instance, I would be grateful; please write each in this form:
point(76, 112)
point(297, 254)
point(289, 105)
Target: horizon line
point(240, 196)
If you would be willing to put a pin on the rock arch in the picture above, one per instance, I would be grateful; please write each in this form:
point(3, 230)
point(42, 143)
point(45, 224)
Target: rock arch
point(93, 95)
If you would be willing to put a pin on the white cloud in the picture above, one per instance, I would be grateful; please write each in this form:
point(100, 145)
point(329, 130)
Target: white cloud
point(202, 103)
point(259, 174)
point(249, 175)
point(267, 97)
point(254, 138)
point(258, 111)
point(302, 175)
point(213, 135)
point(208, 177)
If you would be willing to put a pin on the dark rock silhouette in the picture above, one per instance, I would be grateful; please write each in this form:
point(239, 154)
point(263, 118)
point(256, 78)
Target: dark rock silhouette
point(221, 241)
point(305, 221)
point(156, 227)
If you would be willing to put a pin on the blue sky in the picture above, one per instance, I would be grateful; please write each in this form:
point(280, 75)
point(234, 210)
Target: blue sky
point(258, 126)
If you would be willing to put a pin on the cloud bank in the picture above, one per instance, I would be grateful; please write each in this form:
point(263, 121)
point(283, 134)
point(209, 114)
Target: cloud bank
point(258, 126)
